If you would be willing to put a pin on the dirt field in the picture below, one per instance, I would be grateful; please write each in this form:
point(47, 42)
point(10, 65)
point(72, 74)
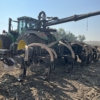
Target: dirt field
point(83, 83)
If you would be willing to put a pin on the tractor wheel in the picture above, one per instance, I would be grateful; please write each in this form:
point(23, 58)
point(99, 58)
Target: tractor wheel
point(5, 41)
point(26, 39)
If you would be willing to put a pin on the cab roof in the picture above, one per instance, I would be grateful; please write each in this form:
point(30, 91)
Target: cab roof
point(26, 17)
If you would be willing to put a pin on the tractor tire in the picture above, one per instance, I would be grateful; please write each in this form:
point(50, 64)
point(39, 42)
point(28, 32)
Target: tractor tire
point(5, 41)
point(26, 39)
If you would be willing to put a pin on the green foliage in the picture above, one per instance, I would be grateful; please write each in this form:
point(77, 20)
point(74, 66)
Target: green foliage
point(70, 36)
point(61, 33)
point(81, 38)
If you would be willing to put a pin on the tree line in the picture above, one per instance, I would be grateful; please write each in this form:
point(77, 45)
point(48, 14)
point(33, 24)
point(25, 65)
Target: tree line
point(69, 35)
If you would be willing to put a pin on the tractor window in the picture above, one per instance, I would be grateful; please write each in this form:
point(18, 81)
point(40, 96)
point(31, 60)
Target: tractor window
point(27, 25)
point(20, 26)
point(24, 24)
point(31, 24)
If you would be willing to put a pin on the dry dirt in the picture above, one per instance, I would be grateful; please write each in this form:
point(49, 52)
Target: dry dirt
point(83, 83)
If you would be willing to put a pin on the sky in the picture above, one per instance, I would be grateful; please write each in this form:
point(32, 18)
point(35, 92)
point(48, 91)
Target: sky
point(90, 27)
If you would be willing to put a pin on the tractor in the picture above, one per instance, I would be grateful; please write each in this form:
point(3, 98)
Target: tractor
point(32, 41)
point(31, 30)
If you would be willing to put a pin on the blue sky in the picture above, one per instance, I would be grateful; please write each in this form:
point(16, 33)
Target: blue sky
point(59, 8)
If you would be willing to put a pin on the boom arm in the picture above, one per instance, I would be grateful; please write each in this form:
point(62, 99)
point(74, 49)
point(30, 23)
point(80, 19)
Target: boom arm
point(71, 18)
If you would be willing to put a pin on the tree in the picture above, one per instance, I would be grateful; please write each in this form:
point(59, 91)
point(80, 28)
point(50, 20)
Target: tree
point(61, 32)
point(81, 38)
point(70, 36)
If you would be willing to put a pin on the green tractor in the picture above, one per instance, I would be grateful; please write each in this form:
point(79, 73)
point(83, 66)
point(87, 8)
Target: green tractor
point(34, 40)
point(28, 31)
point(32, 30)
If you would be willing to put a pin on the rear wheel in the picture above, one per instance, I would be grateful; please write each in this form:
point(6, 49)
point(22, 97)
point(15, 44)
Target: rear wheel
point(27, 39)
point(5, 41)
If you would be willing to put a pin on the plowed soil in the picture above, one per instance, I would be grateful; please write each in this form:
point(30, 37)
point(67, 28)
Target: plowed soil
point(82, 83)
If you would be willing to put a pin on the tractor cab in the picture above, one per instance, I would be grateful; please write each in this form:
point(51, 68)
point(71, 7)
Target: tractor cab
point(23, 24)
point(26, 23)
